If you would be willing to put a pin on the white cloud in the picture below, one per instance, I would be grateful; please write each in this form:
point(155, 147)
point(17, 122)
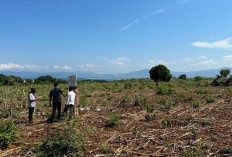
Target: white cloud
point(201, 57)
point(194, 59)
point(129, 25)
point(62, 67)
point(10, 66)
point(119, 61)
point(227, 58)
point(224, 44)
point(182, 1)
point(158, 11)
point(154, 62)
point(89, 67)
point(209, 62)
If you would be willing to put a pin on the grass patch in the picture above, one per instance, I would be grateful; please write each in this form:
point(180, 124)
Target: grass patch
point(66, 142)
point(112, 119)
point(8, 134)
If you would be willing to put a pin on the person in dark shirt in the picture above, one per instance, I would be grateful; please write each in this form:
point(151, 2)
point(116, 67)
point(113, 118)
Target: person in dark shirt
point(55, 101)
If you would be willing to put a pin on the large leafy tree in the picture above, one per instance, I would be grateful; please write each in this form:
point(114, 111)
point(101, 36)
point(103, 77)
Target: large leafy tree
point(160, 73)
point(224, 72)
point(182, 77)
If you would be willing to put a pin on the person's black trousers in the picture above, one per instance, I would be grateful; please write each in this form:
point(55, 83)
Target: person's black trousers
point(31, 111)
point(56, 105)
point(69, 111)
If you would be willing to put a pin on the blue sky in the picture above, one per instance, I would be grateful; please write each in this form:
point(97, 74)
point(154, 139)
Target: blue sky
point(112, 36)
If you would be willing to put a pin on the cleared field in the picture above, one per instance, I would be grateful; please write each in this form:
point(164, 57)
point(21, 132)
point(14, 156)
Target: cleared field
point(130, 118)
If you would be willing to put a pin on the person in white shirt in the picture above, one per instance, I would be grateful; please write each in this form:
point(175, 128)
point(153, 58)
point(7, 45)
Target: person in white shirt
point(70, 102)
point(31, 104)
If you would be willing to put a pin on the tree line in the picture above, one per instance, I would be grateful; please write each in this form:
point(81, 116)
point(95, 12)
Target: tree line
point(161, 73)
point(13, 80)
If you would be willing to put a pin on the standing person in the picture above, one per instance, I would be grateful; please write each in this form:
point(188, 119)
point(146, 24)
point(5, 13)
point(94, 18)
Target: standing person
point(31, 104)
point(55, 101)
point(70, 102)
point(76, 112)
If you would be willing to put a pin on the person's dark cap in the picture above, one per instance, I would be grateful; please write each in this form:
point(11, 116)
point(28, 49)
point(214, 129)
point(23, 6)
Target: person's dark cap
point(32, 90)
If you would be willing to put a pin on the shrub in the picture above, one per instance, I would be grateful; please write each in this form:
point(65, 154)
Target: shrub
point(150, 108)
point(8, 134)
point(193, 133)
point(127, 85)
point(102, 94)
point(140, 100)
point(106, 149)
point(226, 151)
point(149, 117)
point(67, 142)
point(83, 101)
point(125, 99)
point(203, 91)
point(195, 104)
point(4, 113)
point(166, 122)
point(198, 78)
point(209, 100)
point(194, 152)
point(205, 122)
point(161, 90)
point(229, 90)
point(112, 119)
point(167, 104)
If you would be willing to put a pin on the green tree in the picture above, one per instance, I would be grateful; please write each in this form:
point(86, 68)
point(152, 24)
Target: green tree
point(224, 72)
point(183, 77)
point(44, 79)
point(198, 78)
point(29, 81)
point(160, 73)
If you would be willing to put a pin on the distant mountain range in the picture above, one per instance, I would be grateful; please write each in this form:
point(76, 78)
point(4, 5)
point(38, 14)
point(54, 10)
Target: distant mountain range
point(90, 75)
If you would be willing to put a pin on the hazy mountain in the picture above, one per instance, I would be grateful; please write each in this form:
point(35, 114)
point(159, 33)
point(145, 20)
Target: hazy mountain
point(90, 75)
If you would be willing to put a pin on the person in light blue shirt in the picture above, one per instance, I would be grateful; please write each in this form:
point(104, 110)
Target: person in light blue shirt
point(31, 104)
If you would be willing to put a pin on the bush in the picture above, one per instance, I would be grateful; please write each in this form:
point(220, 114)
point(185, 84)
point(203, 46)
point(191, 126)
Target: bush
point(150, 117)
point(161, 90)
point(67, 142)
point(209, 100)
point(127, 85)
point(140, 100)
point(195, 104)
point(193, 133)
point(150, 108)
point(167, 104)
point(125, 99)
point(166, 122)
point(106, 149)
point(198, 78)
point(83, 101)
point(112, 119)
point(226, 151)
point(4, 113)
point(8, 134)
point(203, 91)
